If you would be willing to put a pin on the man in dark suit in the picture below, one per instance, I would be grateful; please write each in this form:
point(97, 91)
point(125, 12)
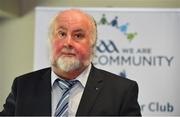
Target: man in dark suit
point(91, 91)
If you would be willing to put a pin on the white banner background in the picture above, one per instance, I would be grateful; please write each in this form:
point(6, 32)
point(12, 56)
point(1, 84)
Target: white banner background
point(141, 44)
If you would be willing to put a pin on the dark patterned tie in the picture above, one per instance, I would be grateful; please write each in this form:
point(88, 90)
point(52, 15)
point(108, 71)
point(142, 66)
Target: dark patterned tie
point(62, 106)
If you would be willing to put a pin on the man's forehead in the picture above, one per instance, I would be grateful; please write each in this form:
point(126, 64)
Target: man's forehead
point(72, 19)
point(73, 12)
point(72, 16)
point(76, 29)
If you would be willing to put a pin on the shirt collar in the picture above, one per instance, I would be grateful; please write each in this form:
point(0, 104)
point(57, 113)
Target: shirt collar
point(82, 78)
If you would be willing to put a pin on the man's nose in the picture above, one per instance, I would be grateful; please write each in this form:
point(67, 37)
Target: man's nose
point(68, 41)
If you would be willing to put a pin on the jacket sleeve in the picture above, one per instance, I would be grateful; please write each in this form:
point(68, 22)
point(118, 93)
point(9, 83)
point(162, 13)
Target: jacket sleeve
point(10, 105)
point(130, 105)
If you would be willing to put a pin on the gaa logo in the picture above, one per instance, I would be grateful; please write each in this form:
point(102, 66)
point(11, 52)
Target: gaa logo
point(106, 46)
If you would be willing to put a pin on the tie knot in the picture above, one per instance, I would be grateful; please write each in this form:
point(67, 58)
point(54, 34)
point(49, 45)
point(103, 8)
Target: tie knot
point(66, 84)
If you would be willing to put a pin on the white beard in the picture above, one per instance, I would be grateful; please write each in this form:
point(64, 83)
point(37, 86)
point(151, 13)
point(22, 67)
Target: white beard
point(68, 63)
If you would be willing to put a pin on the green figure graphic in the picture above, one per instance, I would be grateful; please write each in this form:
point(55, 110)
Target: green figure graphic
point(103, 20)
point(131, 36)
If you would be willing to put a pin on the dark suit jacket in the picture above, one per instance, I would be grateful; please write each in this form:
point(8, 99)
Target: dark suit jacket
point(104, 94)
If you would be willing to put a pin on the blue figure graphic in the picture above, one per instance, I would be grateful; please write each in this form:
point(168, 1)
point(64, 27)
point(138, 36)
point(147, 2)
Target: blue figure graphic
point(123, 28)
point(123, 74)
point(114, 22)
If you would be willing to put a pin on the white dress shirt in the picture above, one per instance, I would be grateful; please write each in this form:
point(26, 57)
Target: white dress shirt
point(75, 93)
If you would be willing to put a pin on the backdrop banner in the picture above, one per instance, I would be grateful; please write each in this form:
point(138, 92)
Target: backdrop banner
point(139, 44)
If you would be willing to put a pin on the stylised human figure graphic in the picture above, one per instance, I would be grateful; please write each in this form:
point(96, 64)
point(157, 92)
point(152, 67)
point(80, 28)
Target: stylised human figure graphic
point(114, 22)
point(103, 20)
point(123, 27)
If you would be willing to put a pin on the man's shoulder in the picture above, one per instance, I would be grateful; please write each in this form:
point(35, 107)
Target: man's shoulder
point(35, 74)
point(106, 75)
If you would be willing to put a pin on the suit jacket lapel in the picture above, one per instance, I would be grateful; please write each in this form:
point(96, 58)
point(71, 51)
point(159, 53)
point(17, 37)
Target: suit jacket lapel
point(43, 92)
point(91, 91)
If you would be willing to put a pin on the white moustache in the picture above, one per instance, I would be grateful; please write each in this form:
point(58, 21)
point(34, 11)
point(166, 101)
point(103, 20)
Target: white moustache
point(68, 50)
